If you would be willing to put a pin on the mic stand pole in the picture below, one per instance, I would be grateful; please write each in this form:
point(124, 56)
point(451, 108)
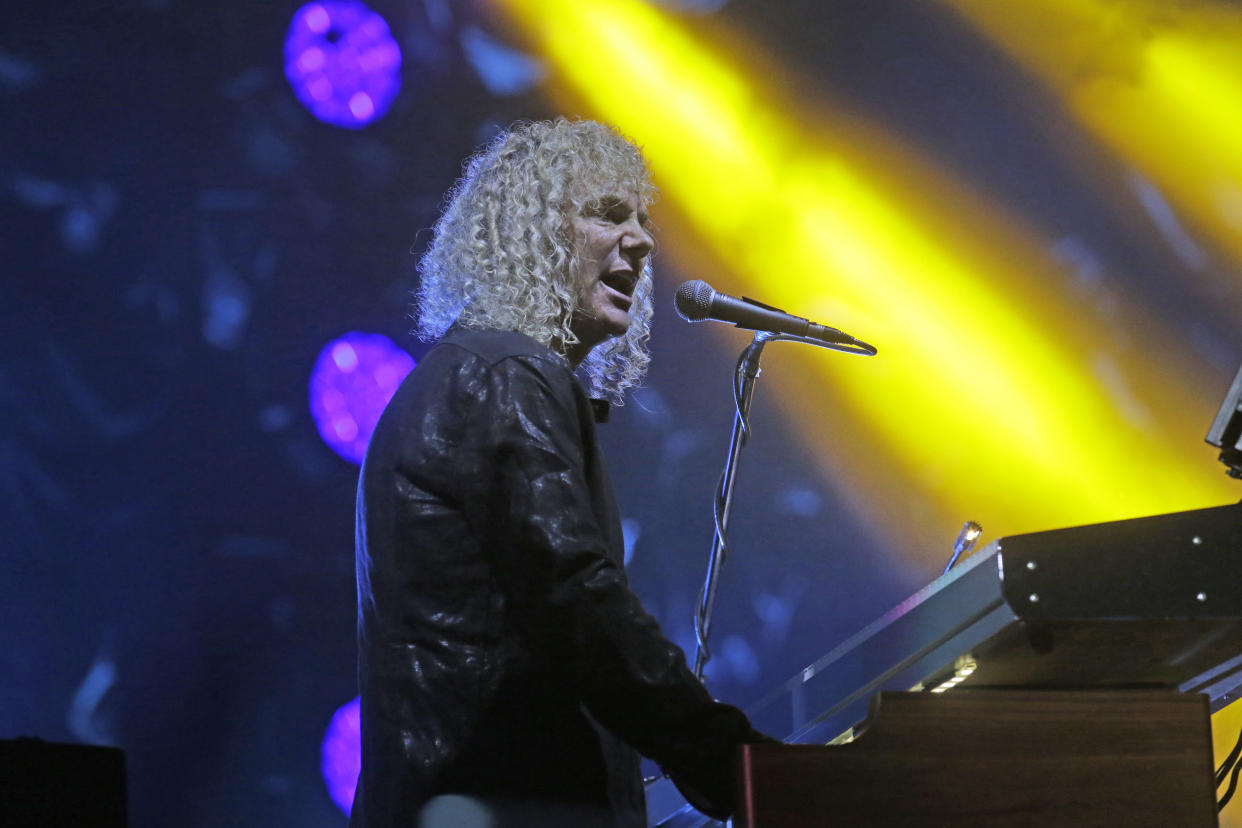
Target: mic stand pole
point(748, 372)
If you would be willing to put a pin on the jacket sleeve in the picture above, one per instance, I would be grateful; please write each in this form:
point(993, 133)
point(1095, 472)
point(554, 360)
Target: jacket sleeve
point(552, 560)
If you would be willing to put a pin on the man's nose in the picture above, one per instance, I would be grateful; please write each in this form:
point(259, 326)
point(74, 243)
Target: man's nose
point(637, 241)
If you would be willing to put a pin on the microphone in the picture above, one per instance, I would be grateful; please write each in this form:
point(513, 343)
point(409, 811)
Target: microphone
point(697, 300)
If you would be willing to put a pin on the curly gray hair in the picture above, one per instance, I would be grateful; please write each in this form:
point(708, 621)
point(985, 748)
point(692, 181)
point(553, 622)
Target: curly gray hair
point(504, 255)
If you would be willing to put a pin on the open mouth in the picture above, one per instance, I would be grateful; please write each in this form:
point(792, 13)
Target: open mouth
point(622, 281)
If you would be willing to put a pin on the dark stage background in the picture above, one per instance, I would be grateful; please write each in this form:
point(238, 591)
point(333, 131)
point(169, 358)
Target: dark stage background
point(181, 238)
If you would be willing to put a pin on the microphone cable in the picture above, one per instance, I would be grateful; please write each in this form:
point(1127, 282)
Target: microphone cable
point(748, 356)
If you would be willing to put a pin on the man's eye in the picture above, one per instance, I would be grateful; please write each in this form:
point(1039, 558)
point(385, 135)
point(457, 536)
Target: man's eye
point(610, 211)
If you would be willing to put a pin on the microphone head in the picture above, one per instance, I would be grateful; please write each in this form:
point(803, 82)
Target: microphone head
point(694, 300)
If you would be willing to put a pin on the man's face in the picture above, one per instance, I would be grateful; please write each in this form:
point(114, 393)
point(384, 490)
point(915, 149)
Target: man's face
point(613, 243)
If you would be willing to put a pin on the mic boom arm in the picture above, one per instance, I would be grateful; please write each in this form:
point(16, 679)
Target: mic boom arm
point(697, 301)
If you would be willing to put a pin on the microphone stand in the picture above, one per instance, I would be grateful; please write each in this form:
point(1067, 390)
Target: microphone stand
point(748, 371)
point(744, 377)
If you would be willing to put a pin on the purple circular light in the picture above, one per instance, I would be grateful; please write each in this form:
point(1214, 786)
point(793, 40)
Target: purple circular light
point(342, 62)
point(340, 758)
point(353, 380)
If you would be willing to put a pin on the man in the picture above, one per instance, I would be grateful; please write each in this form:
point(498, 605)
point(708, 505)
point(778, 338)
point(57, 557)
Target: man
point(507, 671)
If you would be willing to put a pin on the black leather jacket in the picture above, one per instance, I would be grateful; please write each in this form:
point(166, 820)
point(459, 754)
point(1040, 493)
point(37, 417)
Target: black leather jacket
point(502, 653)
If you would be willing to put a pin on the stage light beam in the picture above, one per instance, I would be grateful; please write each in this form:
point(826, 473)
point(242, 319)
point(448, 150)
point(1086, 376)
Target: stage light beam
point(988, 356)
point(1159, 84)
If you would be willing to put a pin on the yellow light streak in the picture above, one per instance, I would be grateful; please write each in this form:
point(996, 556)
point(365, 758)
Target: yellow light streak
point(1003, 391)
point(986, 401)
point(1158, 83)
